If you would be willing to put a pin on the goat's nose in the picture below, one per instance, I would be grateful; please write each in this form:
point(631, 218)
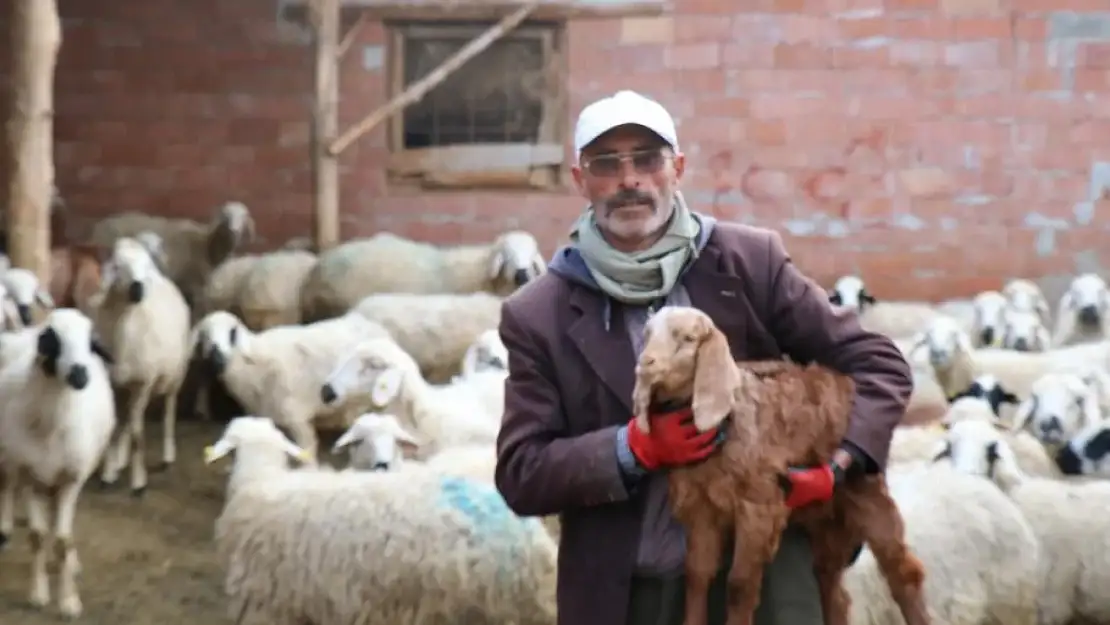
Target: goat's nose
point(78, 377)
point(1021, 345)
point(1089, 314)
point(520, 277)
point(328, 394)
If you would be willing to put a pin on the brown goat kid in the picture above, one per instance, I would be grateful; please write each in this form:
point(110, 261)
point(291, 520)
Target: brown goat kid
point(782, 414)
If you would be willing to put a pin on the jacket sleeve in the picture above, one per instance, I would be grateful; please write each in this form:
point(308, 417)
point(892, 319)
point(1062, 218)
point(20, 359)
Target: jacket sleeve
point(809, 329)
point(540, 469)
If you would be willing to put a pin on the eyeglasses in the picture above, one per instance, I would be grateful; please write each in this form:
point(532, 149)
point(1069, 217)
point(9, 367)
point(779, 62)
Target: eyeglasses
point(647, 161)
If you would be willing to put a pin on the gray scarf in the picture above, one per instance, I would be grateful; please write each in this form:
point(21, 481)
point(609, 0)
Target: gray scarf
point(640, 277)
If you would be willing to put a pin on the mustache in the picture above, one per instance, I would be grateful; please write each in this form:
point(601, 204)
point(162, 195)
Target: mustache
point(627, 197)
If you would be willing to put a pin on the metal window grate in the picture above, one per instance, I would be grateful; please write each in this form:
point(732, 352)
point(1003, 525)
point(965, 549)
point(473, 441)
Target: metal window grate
point(496, 97)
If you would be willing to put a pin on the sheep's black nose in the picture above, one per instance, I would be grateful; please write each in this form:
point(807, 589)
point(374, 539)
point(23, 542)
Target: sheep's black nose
point(520, 277)
point(1089, 315)
point(78, 377)
point(1068, 461)
point(328, 394)
point(380, 466)
point(216, 362)
point(987, 336)
point(1021, 345)
point(24, 314)
point(135, 292)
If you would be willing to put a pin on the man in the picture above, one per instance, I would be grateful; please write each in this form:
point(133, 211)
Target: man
point(567, 443)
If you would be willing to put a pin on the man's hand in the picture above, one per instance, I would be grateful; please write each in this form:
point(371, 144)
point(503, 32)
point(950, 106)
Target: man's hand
point(806, 485)
point(673, 441)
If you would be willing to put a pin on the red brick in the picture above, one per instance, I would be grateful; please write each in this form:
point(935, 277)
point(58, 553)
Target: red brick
point(693, 56)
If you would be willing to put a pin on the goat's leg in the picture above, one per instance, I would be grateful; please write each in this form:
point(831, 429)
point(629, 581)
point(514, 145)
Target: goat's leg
point(136, 418)
point(704, 544)
point(36, 521)
point(885, 533)
point(69, 602)
point(758, 532)
point(832, 550)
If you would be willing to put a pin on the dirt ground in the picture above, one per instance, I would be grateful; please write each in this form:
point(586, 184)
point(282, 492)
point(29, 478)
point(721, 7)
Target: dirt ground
point(144, 561)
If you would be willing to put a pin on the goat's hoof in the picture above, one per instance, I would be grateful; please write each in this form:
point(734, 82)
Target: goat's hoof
point(138, 492)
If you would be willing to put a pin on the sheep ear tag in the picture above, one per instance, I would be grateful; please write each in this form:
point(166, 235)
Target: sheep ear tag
point(386, 387)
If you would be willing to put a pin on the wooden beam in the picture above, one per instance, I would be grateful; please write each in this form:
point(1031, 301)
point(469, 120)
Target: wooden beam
point(380, 10)
point(417, 90)
point(325, 124)
point(36, 38)
point(351, 36)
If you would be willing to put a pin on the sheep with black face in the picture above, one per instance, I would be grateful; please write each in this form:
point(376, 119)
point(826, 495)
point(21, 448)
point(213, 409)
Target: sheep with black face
point(146, 319)
point(1083, 313)
point(59, 382)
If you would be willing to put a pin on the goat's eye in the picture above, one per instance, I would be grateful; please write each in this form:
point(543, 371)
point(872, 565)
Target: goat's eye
point(690, 338)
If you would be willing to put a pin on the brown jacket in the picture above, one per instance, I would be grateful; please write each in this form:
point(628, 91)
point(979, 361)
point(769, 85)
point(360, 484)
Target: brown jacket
point(569, 389)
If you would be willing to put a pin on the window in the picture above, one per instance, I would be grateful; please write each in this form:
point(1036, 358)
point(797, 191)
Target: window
point(497, 121)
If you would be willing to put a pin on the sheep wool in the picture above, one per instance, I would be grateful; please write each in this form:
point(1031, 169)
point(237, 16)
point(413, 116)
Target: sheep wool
point(380, 548)
point(980, 553)
point(271, 292)
point(435, 329)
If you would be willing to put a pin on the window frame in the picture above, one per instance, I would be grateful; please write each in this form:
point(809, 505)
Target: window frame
point(536, 166)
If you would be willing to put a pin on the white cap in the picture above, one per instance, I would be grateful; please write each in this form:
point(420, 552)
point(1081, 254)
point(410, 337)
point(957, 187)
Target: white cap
point(623, 107)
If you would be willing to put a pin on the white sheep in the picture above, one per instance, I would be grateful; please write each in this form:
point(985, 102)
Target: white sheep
point(1023, 331)
point(224, 285)
point(486, 353)
point(372, 547)
point(192, 249)
point(1083, 313)
point(986, 327)
point(279, 371)
point(386, 263)
point(378, 442)
point(56, 418)
point(440, 415)
point(144, 319)
point(1069, 518)
point(850, 292)
point(988, 388)
point(1059, 405)
point(1087, 453)
point(24, 289)
point(435, 329)
point(919, 444)
point(956, 363)
point(979, 553)
point(270, 294)
point(1024, 294)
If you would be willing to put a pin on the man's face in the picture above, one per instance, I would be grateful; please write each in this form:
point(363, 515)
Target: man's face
point(629, 175)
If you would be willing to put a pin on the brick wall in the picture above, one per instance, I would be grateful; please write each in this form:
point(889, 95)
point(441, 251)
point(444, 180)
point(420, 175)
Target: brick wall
point(936, 146)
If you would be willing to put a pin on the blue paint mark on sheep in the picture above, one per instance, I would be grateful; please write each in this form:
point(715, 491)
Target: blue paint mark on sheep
point(481, 503)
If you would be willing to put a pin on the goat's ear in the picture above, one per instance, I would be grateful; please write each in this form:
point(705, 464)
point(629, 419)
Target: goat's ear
point(641, 402)
point(715, 377)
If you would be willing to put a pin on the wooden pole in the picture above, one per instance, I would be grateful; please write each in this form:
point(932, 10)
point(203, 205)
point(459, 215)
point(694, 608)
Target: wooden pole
point(325, 123)
point(36, 37)
point(417, 90)
point(352, 35)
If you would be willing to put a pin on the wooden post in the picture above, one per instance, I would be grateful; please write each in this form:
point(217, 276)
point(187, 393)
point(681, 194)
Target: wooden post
point(325, 123)
point(417, 90)
point(36, 37)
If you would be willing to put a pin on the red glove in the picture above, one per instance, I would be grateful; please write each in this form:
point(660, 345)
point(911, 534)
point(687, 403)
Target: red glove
point(673, 441)
point(808, 485)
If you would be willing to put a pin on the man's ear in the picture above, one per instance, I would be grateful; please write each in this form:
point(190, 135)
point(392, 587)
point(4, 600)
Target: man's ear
point(679, 165)
point(579, 183)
